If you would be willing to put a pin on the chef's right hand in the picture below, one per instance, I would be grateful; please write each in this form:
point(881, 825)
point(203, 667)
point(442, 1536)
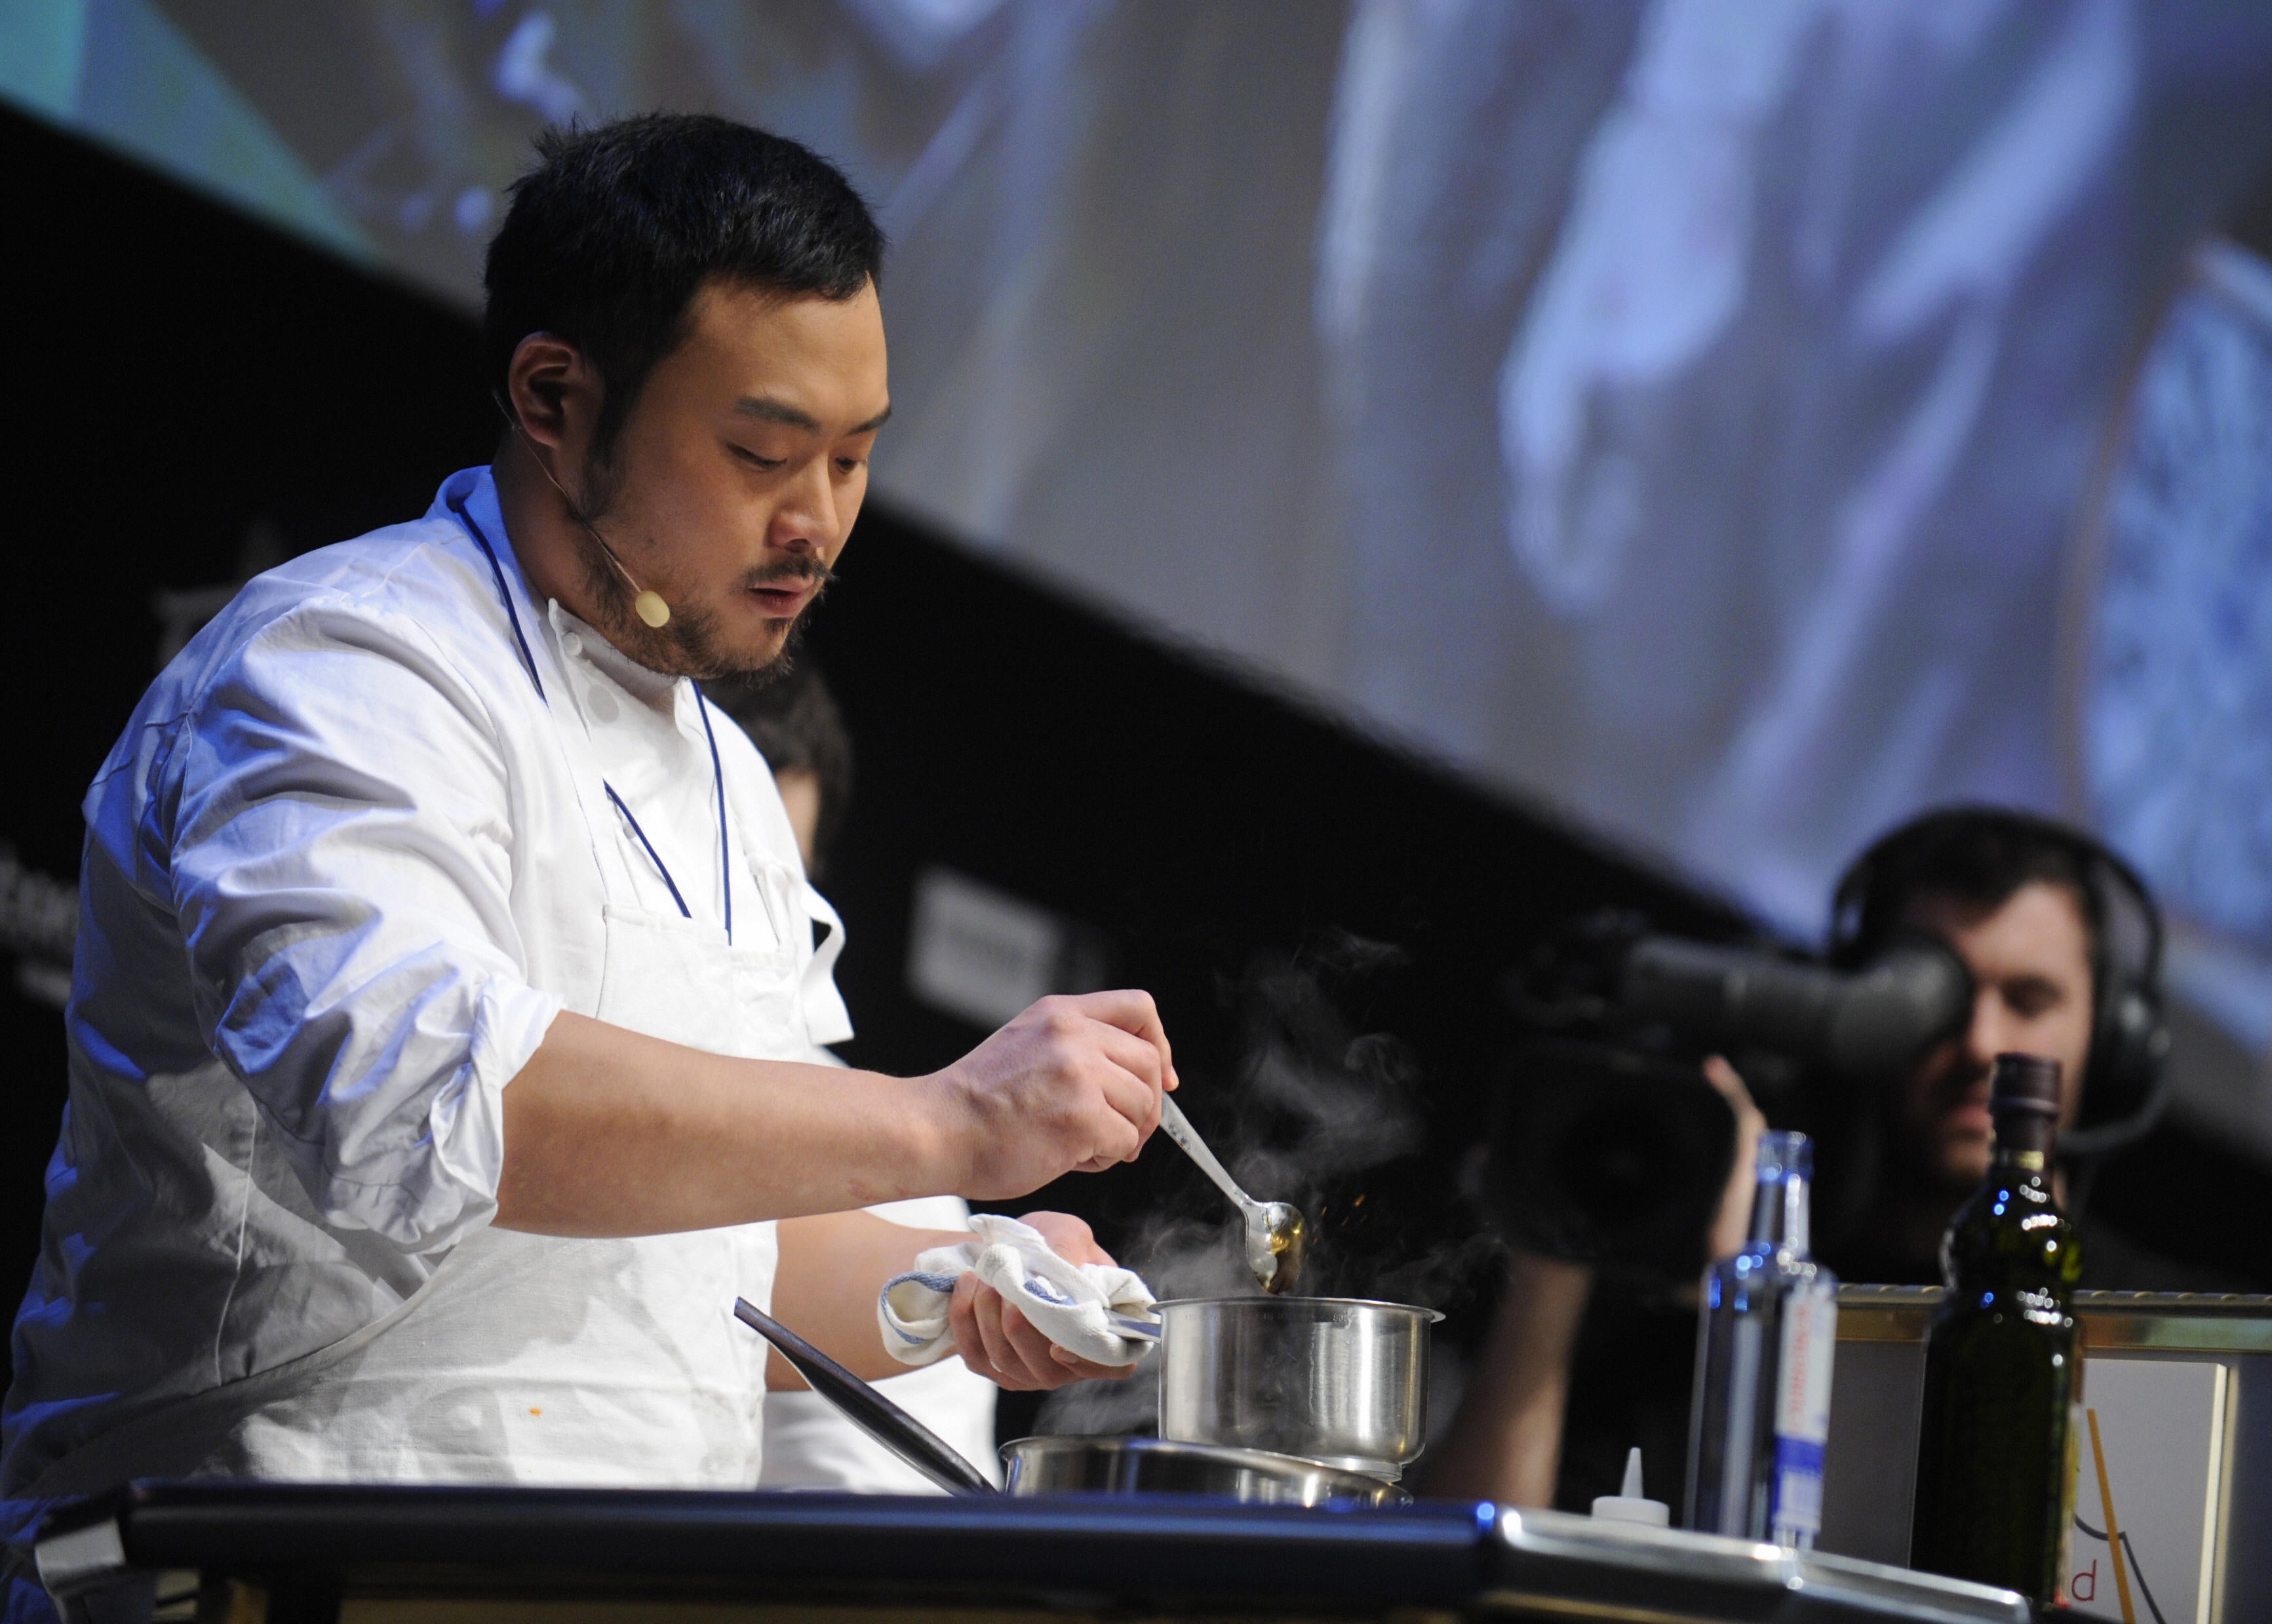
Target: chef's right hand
point(1072, 1084)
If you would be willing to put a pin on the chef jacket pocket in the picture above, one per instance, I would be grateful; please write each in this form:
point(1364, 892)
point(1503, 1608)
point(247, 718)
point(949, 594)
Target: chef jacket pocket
point(673, 978)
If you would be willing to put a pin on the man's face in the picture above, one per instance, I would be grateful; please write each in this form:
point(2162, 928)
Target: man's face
point(2030, 961)
point(737, 477)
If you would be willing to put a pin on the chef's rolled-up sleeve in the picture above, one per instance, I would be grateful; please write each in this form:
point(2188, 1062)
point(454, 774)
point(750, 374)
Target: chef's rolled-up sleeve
point(340, 855)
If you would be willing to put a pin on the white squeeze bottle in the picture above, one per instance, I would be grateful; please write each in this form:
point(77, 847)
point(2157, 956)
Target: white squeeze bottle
point(1629, 1504)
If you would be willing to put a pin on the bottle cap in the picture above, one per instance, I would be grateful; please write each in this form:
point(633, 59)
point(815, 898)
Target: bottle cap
point(2025, 1083)
point(1782, 1155)
point(1629, 1504)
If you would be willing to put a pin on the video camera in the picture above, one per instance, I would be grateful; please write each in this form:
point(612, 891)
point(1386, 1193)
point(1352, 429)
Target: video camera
point(1609, 1146)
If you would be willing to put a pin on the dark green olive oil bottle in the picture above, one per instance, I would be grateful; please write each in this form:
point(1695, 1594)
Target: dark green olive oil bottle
point(1995, 1474)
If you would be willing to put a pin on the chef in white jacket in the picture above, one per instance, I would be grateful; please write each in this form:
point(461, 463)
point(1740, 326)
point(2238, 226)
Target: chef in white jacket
point(446, 972)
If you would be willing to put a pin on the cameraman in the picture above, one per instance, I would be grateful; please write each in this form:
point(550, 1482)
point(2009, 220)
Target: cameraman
point(2064, 948)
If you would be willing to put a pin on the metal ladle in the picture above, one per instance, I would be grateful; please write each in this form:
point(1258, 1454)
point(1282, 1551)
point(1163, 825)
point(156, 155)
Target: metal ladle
point(1274, 1230)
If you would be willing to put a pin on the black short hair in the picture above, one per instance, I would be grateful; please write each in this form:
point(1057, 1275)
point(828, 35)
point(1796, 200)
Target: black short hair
point(793, 720)
point(1979, 854)
point(610, 238)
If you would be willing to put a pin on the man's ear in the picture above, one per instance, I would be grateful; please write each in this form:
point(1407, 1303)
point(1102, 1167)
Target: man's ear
point(552, 390)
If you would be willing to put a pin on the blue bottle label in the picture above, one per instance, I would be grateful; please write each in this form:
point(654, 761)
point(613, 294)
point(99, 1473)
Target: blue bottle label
point(1810, 1338)
point(1797, 1507)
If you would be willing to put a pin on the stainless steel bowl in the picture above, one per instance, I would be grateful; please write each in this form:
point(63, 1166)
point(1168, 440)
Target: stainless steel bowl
point(1154, 1465)
point(1336, 1380)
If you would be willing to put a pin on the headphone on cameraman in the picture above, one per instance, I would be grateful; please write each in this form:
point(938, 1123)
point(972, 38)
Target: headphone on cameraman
point(2124, 1081)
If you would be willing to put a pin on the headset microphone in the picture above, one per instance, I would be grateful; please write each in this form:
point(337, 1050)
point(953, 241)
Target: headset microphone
point(647, 603)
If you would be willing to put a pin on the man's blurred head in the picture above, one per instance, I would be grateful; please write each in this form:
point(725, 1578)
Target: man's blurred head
point(793, 720)
point(2033, 989)
point(2014, 896)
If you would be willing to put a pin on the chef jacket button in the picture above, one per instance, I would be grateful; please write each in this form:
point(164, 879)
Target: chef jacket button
point(573, 645)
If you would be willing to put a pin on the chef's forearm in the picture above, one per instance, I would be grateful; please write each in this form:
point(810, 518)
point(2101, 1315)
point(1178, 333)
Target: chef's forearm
point(609, 1132)
point(831, 1269)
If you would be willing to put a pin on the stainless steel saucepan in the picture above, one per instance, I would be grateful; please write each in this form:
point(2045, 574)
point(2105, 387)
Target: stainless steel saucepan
point(1161, 1467)
point(1065, 1465)
point(1336, 1380)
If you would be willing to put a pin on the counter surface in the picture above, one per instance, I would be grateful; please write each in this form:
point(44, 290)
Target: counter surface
point(272, 1554)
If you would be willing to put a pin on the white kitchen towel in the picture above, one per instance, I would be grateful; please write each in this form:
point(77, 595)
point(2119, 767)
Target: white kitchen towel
point(1072, 1304)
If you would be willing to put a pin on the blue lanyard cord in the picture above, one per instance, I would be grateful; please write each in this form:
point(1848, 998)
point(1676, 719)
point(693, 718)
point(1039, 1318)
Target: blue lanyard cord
point(725, 846)
point(512, 615)
point(661, 866)
point(725, 852)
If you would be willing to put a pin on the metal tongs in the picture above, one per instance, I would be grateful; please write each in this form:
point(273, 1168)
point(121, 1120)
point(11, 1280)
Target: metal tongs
point(1274, 1235)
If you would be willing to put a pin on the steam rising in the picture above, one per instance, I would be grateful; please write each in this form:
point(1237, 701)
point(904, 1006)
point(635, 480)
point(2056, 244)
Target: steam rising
point(1323, 1114)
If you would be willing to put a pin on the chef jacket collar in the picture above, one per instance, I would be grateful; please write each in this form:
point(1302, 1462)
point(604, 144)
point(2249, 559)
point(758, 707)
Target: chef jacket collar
point(476, 490)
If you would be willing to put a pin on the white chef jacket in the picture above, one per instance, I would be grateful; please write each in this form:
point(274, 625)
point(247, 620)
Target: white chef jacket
point(809, 1445)
point(349, 858)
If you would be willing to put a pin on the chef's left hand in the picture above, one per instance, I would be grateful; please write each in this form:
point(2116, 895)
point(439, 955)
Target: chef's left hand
point(1001, 1344)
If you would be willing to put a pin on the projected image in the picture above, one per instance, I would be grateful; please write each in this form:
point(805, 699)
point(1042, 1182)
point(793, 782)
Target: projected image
point(2176, 705)
point(1682, 413)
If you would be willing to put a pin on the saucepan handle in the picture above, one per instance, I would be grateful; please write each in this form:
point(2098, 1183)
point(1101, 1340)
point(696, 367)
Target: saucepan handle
point(867, 1409)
